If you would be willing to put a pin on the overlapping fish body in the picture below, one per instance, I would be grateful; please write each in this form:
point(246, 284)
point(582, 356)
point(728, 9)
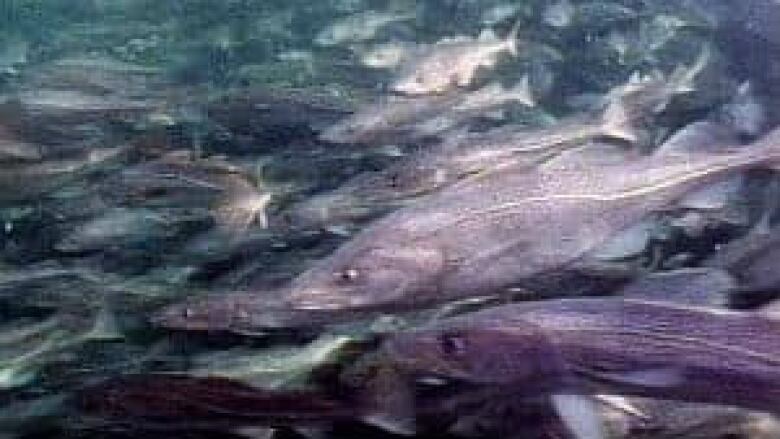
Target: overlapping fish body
point(431, 169)
point(605, 345)
point(181, 180)
point(500, 231)
point(394, 118)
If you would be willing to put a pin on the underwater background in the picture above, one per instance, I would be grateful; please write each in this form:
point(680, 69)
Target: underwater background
point(153, 153)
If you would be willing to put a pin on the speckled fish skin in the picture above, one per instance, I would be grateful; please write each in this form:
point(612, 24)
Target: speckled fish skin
point(453, 63)
point(607, 345)
point(438, 248)
point(496, 232)
point(428, 170)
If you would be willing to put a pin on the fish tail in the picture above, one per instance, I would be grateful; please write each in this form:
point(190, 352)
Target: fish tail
point(239, 213)
point(511, 38)
point(683, 78)
point(521, 92)
point(617, 123)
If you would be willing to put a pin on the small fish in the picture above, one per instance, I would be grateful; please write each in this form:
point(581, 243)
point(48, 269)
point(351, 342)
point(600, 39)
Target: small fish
point(651, 94)
point(453, 63)
point(170, 402)
point(27, 180)
point(358, 27)
point(180, 180)
point(56, 101)
point(410, 118)
point(119, 227)
point(460, 156)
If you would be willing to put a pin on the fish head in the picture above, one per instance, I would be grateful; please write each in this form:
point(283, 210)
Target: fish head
point(372, 277)
point(477, 355)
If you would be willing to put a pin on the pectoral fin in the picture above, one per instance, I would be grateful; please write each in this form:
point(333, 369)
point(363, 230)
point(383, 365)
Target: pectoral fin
point(580, 415)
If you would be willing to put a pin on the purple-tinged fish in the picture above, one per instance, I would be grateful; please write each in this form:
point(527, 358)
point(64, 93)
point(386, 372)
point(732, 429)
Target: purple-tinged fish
point(485, 236)
point(570, 348)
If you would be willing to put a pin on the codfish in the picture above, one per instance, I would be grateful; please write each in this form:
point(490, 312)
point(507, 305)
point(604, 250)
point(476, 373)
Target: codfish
point(508, 229)
point(572, 348)
point(394, 117)
point(453, 62)
point(180, 180)
point(461, 156)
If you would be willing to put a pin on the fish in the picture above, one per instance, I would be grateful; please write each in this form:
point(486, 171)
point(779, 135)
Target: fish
point(180, 180)
point(27, 180)
point(122, 227)
point(185, 402)
point(664, 419)
point(650, 94)
point(358, 27)
point(460, 156)
point(506, 230)
point(704, 286)
point(74, 101)
point(396, 118)
point(575, 348)
point(453, 62)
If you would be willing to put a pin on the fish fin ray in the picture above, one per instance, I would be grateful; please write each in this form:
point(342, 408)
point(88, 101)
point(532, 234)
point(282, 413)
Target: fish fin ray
point(580, 415)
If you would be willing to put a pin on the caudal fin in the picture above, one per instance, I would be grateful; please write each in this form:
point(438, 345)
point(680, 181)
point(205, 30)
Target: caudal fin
point(617, 123)
point(521, 92)
point(511, 39)
point(682, 79)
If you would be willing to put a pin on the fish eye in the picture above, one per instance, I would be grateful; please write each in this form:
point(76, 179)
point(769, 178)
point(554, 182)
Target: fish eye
point(452, 344)
point(348, 275)
point(395, 180)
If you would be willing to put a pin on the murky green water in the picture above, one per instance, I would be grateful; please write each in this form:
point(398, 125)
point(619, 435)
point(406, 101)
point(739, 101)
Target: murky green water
point(157, 152)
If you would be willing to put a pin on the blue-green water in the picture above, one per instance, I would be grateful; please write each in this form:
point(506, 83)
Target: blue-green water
point(153, 152)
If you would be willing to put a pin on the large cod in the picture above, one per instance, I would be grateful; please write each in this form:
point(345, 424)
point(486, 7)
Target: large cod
point(485, 236)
